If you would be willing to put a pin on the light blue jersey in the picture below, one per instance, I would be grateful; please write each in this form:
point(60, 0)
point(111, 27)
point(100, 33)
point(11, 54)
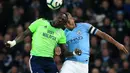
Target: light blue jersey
point(79, 38)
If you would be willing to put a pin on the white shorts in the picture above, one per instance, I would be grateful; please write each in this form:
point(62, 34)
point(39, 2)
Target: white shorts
point(74, 67)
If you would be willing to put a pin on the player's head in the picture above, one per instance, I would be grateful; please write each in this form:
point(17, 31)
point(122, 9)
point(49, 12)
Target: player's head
point(71, 23)
point(64, 20)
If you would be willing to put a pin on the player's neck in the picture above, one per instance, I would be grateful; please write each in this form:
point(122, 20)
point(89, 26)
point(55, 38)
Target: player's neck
point(53, 24)
point(73, 27)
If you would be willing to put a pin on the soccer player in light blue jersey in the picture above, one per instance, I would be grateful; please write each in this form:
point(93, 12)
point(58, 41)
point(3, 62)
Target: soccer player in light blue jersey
point(77, 35)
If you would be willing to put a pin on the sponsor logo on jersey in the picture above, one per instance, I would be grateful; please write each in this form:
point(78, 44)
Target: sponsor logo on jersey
point(79, 32)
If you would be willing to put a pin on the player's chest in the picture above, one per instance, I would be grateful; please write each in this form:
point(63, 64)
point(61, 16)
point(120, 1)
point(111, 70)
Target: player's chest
point(76, 34)
point(48, 32)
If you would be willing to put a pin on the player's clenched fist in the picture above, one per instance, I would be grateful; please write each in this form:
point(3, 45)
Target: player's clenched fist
point(10, 43)
point(77, 52)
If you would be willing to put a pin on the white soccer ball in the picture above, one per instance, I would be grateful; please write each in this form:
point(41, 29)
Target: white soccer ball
point(54, 4)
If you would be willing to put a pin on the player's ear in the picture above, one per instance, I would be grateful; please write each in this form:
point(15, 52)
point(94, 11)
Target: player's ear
point(66, 25)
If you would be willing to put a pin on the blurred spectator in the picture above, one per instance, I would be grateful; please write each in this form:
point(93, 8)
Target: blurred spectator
point(7, 37)
point(2, 61)
point(35, 4)
point(7, 61)
point(1, 37)
point(95, 46)
point(71, 4)
point(27, 39)
point(78, 14)
point(19, 30)
point(26, 25)
point(118, 6)
point(116, 67)
point(106, 25)
point(112, 71)
point(10, 31)
point(114, 49)
point(127, 42)
point(106, 60)
point(1, 71)
point(92, 56)
point(27, 48)
point(113, 33)
point(95, 70)
point(17, 17)
point(90, 16)
point(26, 68)
point(105, 8)
point(35, 14)
point(98, 64)
point(1, 41)
point(104, 44)
point(14, 69)
point(123, 58)
point(18, 59)
point(99, 19)
point(121, 25)
point(127, 8)
point(129, 58)
point(63, 9)
point(5, 15)
point(126, 68)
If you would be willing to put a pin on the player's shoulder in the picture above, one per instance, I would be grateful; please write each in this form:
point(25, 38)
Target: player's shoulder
point(41, 19)
point(66, 30)
point(83, 24)
point(60, 30)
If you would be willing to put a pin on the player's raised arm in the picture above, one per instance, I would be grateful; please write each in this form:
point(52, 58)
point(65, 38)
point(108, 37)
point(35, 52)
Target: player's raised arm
point(32, 28)
point(105, 36)
point(18, 38)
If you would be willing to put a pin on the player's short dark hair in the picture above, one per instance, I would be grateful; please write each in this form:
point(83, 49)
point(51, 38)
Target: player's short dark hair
point(61, 19)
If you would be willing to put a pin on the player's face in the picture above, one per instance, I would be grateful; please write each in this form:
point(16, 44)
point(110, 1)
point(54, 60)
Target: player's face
point(71, 23)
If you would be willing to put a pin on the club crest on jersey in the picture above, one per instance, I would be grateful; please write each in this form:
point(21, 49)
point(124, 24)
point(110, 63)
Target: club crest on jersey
point(45, 26)
point(79, 32)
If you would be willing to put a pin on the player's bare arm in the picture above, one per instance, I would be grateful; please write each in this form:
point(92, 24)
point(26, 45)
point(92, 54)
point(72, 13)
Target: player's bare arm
point(66, 53)
point(111, 40)
point(19, 38)
point(23, 35)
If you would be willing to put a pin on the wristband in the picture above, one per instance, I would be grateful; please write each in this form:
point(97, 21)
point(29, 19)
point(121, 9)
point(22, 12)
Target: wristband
point(12, 43)
point(74, 53)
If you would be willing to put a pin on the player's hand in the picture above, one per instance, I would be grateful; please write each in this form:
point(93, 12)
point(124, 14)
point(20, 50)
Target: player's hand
point(10, 44)
point(77, 52)
point(57, 51)
point(122, 48)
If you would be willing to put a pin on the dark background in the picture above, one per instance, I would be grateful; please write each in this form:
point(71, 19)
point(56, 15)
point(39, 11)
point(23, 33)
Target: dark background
point(110, 16)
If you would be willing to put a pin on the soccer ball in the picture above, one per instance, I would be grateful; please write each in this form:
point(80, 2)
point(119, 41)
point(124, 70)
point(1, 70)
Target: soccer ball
point(54, 4)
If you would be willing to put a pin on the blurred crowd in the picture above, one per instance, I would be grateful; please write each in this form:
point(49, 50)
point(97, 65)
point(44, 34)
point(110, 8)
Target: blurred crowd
point(110, 16)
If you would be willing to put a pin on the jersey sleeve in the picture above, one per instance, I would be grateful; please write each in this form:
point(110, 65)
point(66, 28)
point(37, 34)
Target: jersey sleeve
point(90, 29)
point(34, 25)
point(62, 40)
